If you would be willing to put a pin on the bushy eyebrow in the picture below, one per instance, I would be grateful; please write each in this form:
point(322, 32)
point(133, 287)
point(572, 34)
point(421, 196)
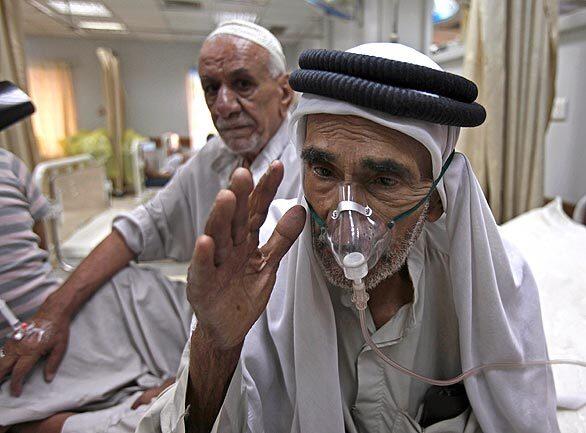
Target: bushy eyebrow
point(240, 72)
point(312, 155)
point(207, 80)
point(316, 156)
point(388, 166)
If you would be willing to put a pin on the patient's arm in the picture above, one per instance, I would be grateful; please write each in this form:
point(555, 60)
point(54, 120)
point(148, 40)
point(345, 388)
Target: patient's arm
point(210, 372)
point(105, 261)
point(229, 284)
point(55, 315)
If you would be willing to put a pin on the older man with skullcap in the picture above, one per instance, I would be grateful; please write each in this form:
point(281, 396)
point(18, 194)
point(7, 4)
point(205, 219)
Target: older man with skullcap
point(116, 330)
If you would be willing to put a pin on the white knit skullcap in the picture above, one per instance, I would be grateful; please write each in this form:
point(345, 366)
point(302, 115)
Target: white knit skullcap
point(254, 33)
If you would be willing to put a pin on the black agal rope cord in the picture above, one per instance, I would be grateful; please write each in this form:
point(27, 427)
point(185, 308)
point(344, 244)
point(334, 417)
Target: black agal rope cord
point(396, 88)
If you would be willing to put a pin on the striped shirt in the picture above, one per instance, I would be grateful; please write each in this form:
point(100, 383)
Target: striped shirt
point(25, 271)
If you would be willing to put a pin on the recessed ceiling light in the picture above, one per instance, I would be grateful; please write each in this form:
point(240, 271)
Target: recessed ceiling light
point(102, 25)
point(444, 10)
point(81, 8)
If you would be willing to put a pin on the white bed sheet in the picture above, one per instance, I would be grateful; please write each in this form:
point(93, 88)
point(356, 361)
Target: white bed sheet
point(555, 247)
point(94, 231)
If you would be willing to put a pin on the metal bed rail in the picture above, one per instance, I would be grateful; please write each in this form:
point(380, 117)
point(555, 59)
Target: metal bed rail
point(52, 176)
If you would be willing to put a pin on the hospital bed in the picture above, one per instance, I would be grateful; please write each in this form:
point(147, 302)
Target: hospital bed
point(554, 245)
point(83, 209)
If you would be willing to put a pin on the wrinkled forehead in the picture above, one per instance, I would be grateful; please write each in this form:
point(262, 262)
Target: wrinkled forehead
point(233, 52)
point(439, 140)
point(352, 140)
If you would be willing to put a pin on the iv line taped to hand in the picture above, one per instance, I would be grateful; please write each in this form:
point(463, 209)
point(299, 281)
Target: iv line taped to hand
point(356, 270)
point(20, 330)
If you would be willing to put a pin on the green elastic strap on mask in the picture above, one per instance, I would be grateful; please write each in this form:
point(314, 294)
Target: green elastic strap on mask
point(405, 214)
point(320, 222)
point(408, 212)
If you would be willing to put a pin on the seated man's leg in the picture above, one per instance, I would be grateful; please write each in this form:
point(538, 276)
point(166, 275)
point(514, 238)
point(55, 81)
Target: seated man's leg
point(53, 424)
point(126, 339)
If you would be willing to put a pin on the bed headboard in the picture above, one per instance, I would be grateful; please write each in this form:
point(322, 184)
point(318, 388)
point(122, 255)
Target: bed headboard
point(78, 190)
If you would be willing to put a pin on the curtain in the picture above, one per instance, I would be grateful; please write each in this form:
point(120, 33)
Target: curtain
point(511, 52)
point(19, 138)
point(464, 10)
point(200, 119)
point(115, 118)
point(51, 87)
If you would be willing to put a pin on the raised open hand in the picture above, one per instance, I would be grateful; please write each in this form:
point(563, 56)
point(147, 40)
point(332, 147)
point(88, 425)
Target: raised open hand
point(230, 278)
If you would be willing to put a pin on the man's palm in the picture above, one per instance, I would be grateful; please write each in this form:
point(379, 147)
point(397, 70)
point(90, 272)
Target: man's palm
point(230, 278)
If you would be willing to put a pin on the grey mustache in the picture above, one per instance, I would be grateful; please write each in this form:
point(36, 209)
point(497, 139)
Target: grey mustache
point(233, 123)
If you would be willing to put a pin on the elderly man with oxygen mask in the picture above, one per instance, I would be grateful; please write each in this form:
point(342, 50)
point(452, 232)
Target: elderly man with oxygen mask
point(383, 298)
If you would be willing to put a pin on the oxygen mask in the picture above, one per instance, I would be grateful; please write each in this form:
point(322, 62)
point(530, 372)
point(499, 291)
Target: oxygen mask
point(355, 235)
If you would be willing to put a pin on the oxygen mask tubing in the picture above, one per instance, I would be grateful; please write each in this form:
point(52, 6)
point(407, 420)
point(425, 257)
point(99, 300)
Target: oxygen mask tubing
point(357, 239)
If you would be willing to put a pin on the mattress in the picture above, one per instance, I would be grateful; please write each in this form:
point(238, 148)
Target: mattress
point(554, 245)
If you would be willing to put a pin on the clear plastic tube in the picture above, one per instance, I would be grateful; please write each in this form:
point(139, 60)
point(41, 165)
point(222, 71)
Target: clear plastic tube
point(360, 299)
point(9, 315)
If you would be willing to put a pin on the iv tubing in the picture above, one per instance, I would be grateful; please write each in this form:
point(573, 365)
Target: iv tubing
point(9, 315)
point(359, 295)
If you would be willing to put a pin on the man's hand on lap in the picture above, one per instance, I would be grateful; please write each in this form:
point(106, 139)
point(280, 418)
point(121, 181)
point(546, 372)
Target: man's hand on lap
point(21, 356)
point(151, 393)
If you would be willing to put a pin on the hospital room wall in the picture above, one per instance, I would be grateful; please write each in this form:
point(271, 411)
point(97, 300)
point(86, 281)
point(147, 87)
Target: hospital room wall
point(565, 144)
point(377, 25)
point(153, 74)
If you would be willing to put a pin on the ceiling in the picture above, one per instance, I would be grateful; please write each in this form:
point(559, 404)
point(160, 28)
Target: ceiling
point(177, 20)
point(450, 31)
point(191, 20)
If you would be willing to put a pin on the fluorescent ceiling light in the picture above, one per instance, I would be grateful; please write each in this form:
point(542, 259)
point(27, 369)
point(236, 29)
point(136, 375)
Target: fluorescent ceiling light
point(227, 16)
point(81, 8)
point(102, 25)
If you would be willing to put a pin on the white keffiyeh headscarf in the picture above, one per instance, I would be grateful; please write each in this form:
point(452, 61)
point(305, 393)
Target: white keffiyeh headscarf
point(289, 361)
